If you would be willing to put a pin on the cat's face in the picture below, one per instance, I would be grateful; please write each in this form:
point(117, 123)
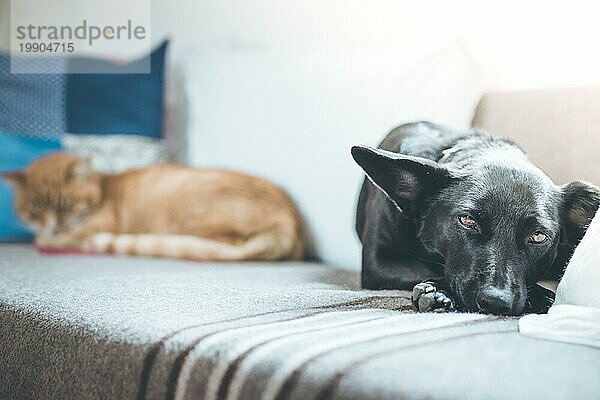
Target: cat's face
point(55, 194)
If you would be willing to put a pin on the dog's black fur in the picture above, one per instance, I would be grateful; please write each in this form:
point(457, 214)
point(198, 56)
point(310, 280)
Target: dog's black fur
point(423, 178)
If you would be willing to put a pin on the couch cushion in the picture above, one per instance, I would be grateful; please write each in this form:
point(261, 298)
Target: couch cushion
point(558, 128)
point(107, 327)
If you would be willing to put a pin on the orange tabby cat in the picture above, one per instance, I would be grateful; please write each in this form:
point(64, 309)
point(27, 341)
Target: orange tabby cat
point(165, 210)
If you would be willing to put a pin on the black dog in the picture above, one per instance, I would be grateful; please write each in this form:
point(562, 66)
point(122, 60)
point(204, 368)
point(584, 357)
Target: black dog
point(465, 220)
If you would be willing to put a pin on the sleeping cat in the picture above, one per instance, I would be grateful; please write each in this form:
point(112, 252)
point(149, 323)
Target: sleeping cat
point(165, 210)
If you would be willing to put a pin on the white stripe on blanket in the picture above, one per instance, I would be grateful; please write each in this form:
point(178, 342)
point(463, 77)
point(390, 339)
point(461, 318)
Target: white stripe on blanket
point(380, 328)
point(221, 342)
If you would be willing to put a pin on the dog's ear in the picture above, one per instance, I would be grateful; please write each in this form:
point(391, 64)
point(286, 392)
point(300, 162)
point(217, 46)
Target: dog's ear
point(15, 179)
point(406, 180)
point(580, 203)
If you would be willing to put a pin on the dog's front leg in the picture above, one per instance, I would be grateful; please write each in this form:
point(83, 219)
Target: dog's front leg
point(539, 300)
point(429, 292)
point(431, 296)
point(384, 269)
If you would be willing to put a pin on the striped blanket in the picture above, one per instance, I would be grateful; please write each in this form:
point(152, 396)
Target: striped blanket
point(105, 327)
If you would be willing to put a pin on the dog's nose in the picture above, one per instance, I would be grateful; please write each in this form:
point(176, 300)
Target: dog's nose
point(494, 300)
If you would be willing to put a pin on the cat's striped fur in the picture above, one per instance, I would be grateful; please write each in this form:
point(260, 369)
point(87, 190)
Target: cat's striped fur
point(164, 210)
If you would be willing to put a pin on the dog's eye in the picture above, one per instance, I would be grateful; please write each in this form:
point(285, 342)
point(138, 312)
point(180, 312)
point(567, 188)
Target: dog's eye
point(538, 238)
point(467, 222)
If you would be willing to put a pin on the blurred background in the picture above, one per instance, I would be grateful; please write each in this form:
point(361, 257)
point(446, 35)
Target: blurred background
point(282, 89)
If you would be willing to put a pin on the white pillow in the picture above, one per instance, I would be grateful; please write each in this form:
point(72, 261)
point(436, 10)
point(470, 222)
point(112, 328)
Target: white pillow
point(292, 118)
point(575, 315)
point(116, 153)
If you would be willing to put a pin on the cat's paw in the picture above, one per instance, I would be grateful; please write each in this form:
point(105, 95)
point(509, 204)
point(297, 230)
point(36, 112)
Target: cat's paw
point(426, 297)
point(99, 242)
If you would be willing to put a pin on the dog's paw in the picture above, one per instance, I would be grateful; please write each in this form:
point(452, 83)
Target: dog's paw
point(426, 298)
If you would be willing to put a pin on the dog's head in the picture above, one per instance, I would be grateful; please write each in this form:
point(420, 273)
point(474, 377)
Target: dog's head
point(499, 226)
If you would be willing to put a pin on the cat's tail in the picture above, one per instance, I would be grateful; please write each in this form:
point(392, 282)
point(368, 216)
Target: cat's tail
point(265, 246)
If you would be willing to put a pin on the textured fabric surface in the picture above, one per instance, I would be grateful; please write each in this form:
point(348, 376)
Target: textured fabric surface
point(92, 327)
point(32, 104)
point(557, 128)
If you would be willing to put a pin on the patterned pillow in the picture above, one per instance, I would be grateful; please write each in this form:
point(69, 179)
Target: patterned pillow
point(32, 104)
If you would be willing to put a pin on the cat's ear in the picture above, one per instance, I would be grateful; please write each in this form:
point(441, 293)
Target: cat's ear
point(15, 179)
point(82, 168)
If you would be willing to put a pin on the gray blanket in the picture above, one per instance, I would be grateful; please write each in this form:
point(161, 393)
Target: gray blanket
point(86, 327)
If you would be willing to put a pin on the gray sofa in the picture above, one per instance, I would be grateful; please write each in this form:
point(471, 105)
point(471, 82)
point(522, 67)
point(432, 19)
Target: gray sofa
point(91, 327)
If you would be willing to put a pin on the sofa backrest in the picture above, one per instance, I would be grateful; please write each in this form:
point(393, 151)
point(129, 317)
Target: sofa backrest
point(558, 128)
point(292, 117)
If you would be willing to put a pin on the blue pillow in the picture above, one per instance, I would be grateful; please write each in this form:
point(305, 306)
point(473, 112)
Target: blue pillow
point(17, 152)
point(117, 103)
point(31, 104)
